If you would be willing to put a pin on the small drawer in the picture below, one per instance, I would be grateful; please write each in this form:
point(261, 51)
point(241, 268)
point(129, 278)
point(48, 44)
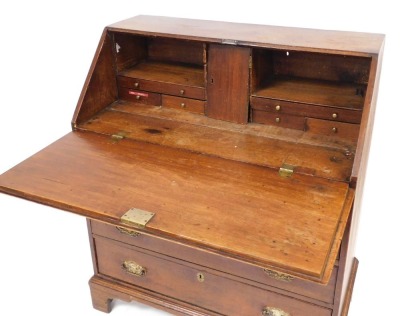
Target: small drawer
point(330, 128)
point(162, 87)
point(306, 110)
point(253, 274)
point(278, 119)
point(191, 105)
point(139, 96)
point(194, 284)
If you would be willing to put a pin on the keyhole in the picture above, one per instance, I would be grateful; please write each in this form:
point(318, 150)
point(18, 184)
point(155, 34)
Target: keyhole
point(200, 277)
point(212, 80)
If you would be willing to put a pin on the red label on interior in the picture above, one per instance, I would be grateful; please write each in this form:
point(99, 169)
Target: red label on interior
point(141, 94)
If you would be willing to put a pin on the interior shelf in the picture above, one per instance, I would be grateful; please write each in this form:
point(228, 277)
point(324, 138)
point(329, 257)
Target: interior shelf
point(312, 91)
point(168, 72)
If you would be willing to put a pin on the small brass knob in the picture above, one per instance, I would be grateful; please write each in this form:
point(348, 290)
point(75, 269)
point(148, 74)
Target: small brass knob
point(334, 115)
point(182, 92)
point(334, 129)
point(136, 84)
point(278, 120)
point(183, 105)
point(138, 97)
point(278, 108)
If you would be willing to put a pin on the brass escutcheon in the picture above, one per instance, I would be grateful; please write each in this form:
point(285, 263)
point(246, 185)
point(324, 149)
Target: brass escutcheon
point(200, 277)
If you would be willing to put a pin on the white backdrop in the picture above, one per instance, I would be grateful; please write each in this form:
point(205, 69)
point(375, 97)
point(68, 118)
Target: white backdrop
point(45, 53)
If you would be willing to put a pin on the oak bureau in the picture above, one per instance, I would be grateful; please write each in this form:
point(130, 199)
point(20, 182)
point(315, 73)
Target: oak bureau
point(220, 166)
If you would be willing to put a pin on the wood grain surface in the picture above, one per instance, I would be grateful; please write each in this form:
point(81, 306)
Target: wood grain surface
point(351, 43)
point(223, 205)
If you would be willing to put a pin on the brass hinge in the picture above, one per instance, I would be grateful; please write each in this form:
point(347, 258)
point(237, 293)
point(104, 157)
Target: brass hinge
point(119, 136)
point(229, 41)
point(137, 217)
point(250, 62)
point(286, 170)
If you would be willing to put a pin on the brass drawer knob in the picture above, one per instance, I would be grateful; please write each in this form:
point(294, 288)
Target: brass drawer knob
point(133, 268)
point(334, 130)
point(334, 115)
point(182, 92)
point(136, 84)
point(278, 108)
point(183, 105)
point(278, 120)
point(272, 311)
point(138, 97)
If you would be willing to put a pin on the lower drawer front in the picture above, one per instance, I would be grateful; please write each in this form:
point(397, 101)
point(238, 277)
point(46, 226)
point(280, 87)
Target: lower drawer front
point(329, 128)
point(278, 119)
point(201, 287)
point(191, 105)
point(252, 273)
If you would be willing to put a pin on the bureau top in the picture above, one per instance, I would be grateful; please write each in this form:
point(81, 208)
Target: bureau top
point(339, 42)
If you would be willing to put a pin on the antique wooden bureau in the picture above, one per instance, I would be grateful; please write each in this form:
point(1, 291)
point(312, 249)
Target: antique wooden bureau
point(220, 165)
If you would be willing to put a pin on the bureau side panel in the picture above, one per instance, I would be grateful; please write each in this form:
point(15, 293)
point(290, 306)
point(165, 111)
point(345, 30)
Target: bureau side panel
point(100, 88)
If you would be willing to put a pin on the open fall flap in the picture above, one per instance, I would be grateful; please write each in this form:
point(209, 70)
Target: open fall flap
point(290, 225)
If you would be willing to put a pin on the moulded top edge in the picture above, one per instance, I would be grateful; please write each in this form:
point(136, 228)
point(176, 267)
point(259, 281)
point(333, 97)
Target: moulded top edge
point(313, 40)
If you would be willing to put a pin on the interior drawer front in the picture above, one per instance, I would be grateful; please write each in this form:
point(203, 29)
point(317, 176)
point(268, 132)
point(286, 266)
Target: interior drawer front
point(200, 286)
point(162, 87)
point(278, 119)
point(139, 96)
point(306, 110)
point(329, 128)
point(254, 274)
point(191, 105)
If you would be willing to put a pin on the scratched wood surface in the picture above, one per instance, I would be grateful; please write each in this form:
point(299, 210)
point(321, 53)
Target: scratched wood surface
point(235, 144)
point(226, 206)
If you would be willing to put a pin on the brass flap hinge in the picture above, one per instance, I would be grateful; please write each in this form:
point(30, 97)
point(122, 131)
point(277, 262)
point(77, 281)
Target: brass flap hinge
point(286, 170)
point(137, 217)
point(118, 136)
point(229, 41)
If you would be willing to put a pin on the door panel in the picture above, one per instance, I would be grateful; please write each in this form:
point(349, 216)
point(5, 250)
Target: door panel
point(228, 83)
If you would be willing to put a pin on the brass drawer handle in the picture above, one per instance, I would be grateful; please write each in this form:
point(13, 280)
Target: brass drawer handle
point(133, 268)
point(272, 311)
point(129, 232)
point(278, 276)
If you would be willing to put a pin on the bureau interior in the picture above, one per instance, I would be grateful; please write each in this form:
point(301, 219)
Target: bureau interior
point(159, 65)
point(301, 105)
point(314, 78)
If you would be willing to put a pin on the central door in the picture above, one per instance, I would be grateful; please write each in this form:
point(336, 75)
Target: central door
point(228, 83)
